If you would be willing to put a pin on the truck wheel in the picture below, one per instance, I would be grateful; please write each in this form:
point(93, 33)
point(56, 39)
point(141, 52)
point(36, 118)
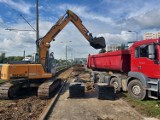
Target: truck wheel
point(97, 78)
point(116, 84)
point(136, 90)
point(94, 77)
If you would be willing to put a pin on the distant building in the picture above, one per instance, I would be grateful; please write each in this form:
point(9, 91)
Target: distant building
point(112, 47)
point(151, 35)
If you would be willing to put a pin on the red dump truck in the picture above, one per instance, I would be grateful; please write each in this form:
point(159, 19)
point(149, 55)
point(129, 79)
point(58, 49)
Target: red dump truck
point(136, 70)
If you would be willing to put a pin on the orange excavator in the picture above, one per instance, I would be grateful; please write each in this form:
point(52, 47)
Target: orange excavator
point(39, 74)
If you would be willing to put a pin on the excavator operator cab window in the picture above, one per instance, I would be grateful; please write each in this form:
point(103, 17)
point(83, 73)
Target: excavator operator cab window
point(51, 63)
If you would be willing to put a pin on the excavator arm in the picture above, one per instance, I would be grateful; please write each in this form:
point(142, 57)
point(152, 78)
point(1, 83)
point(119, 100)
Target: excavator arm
point(43, 44)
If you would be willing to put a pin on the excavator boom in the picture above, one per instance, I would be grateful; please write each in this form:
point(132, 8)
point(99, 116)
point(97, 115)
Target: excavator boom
point(43, 44)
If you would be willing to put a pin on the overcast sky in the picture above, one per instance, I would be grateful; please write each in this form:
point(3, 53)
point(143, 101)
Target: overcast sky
point(109, 18)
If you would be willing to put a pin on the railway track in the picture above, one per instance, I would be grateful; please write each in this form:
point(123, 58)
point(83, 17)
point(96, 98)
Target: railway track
point(47, 111)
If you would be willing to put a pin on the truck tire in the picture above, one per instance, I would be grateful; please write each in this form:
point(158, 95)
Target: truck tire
point(136, 90)
point(94, 77)
point(97, 78)
point(116, 84)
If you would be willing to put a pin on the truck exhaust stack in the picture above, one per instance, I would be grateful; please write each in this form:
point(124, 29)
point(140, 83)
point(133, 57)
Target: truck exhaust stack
point(98, 43)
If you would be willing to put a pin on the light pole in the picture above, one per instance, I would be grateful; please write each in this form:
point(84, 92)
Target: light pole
point(37, 25)
point(134, 32)
point(66, 49)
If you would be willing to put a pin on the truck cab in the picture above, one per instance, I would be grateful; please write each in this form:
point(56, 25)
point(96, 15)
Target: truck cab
point(145, 65)
point(145, 58)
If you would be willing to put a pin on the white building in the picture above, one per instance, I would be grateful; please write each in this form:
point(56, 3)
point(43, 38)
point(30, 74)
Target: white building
point(112, 47)
point(151, 35)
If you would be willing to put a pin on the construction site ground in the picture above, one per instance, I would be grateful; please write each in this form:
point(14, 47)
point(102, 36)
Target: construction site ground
point(30, 107)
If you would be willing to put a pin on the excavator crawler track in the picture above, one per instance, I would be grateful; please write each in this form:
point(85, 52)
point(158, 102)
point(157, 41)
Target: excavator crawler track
point(46, 89)
point(8, 90)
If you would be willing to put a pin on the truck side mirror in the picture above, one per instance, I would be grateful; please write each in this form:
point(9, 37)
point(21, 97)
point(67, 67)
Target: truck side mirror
point(151, 51)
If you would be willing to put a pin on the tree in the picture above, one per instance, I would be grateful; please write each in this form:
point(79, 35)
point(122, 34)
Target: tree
point(103, 50)
point(2, 58)
point(122, 46)
point(14, 58)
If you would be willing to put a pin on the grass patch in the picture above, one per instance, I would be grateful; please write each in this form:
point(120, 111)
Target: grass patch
point(1, 81)
point(150, 107)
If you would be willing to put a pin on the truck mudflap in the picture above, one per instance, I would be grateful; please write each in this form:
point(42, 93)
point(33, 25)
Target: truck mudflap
point(98, 43)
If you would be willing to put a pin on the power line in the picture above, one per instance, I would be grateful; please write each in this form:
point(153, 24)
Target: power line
point(28, 23)
point(11, 29)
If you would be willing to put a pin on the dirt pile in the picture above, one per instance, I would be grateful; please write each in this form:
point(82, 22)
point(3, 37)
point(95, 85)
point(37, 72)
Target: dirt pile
point(25, 109)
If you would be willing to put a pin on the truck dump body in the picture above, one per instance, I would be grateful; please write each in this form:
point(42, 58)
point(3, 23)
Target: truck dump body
point(117, 60)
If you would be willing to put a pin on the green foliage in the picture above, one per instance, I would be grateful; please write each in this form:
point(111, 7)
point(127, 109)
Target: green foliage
point(62, 62)
point(14, 58)
point(1, 81)
point(4, 59)
point(103, 50)
point(29, 56)
point(150, 107)
point(122, 46)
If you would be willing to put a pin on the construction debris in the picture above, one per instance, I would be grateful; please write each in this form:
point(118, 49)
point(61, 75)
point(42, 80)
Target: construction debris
point(78, 67)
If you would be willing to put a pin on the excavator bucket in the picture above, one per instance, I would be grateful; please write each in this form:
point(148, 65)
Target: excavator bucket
point(98, 43)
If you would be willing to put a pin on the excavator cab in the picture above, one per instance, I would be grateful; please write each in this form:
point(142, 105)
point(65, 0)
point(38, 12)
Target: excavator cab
point(98, 42)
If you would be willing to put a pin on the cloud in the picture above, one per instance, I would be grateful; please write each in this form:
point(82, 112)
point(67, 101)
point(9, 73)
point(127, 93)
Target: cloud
point(135, 15)
point(13, 43)
point(148, 20)
point(120, 38)
point(19, 6)
point(112, 23)
point(84, 12)
point(1, 20)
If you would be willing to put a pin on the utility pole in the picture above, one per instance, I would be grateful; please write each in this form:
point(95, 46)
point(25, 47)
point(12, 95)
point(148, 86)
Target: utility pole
point(66, 52)
point(37, 24)
point(24, 54)
point(134, 32)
